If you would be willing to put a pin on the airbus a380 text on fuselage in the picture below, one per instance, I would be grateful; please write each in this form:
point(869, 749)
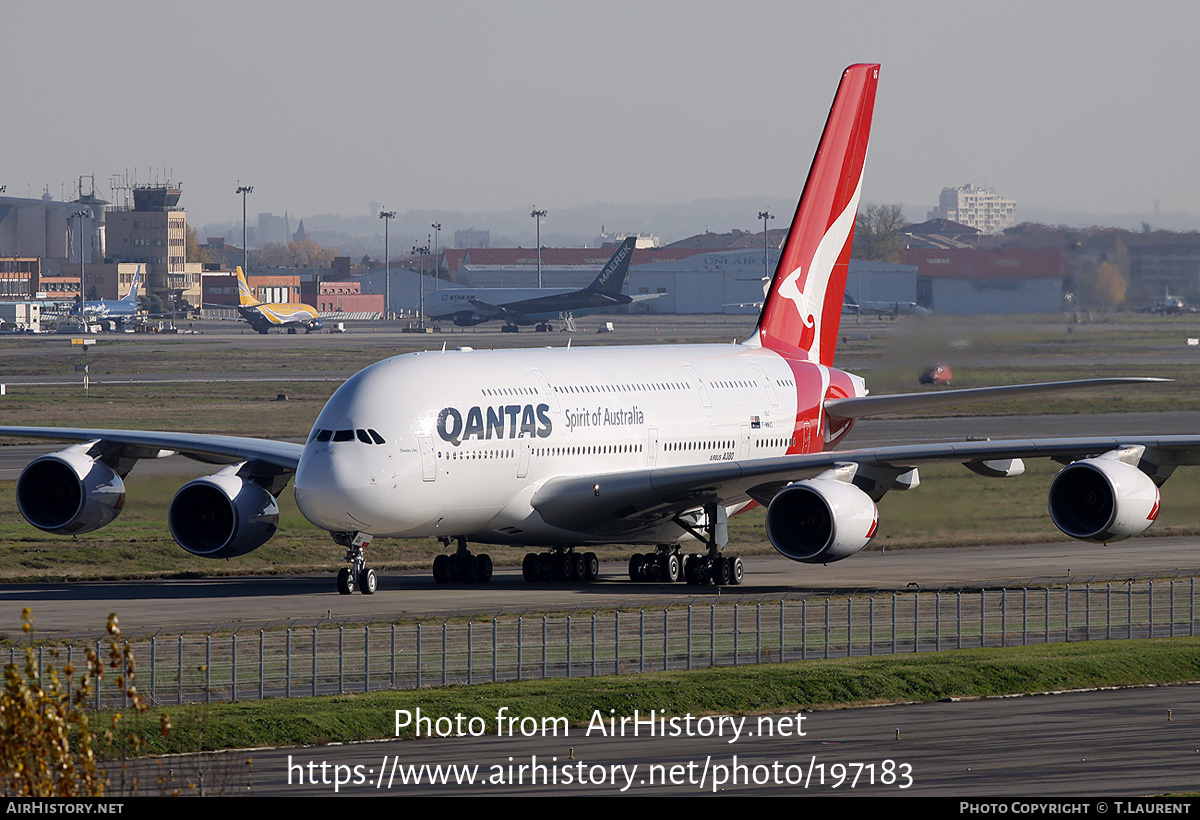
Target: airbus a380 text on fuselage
point(558, 449)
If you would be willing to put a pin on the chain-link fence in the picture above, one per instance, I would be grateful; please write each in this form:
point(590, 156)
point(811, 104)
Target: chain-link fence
point(329, 659)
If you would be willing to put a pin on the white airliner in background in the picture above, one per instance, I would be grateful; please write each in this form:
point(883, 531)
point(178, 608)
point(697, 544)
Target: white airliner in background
point(557, 449)
point(120, 310)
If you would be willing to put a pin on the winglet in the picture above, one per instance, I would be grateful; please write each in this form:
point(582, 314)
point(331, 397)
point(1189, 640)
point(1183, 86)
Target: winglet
point(804, 304)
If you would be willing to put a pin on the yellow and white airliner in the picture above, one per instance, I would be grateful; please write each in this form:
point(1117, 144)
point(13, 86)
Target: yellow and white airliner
point(263, 316)
point(552, 450)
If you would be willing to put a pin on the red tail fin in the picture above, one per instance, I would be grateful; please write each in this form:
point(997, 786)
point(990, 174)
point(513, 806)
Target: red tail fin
point(804, 304)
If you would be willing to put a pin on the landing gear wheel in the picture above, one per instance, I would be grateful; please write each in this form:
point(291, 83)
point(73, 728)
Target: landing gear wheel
point(345, 581)
point(545, 566)
point(368, 582)
point(635, 566)
point(736, 563)
point(441, 569)
point(591, 566)
point(529, 567)
point(722, 571)
point(578, 567)
point(485, 568)
point(564, 566)
point(668, 567)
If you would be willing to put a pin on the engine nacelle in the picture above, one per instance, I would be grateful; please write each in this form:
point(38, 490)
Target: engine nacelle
point(69, 493)
point(222, 516)
point(821, 520)
point(1102, 500)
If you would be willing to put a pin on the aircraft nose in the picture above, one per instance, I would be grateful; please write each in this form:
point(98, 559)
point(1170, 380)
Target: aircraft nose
point(336, 492)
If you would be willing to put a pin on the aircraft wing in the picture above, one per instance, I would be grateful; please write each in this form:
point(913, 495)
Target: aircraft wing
point(852, 408)
point(490, 310)
point(137, 444)
point(626, 502)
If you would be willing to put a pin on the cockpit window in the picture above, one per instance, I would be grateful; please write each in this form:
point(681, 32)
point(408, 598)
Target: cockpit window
point(362, 436)
point(323, 435)
point(343, 435)
point(376, 437)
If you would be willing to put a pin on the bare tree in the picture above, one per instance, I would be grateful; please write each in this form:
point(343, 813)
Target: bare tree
point(877, 233)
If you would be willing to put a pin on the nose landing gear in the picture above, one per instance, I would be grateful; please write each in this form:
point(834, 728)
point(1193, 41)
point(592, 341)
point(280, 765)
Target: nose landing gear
point(358, 574)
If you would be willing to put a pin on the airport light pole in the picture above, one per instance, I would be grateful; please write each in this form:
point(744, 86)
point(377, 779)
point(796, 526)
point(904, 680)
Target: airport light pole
point(437, 268)
point(387, 217)
point(422, 250)
point(244, 190)
point(537, 215)
point(764, 216)
point(79, 215)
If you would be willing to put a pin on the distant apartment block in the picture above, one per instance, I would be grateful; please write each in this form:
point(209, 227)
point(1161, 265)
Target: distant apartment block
point(273, 230)
point(979, 208)
point(471, 238)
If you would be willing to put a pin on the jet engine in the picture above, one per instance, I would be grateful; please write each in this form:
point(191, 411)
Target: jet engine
point(1102, 500)
point(820, 520)
point(69, 493)
point(222, 516)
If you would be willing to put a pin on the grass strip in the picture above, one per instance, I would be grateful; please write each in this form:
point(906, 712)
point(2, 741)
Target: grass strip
point(808, 685)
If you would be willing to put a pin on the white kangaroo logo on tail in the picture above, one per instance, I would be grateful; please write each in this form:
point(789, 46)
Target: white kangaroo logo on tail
point(810, 301)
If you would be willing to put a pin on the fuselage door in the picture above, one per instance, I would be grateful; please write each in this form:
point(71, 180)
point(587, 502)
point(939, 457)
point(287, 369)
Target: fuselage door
point(651, 446)
point(523, 461)
point(699, 384)
point(547, 390)
point(763, 380)
point(428, 458)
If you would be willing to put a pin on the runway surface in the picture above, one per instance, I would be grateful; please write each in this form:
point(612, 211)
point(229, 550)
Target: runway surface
point(175, 605)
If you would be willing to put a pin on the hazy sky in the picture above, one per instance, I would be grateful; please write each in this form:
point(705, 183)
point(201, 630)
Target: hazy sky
point(326, 107)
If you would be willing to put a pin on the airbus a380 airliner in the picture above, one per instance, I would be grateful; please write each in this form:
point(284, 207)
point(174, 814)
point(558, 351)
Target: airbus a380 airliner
point(562, 448)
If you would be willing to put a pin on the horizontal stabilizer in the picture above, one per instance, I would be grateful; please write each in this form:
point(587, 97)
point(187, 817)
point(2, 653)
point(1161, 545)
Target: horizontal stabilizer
point(854, 408)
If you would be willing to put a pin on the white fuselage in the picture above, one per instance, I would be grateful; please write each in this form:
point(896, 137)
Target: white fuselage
point(469, 436)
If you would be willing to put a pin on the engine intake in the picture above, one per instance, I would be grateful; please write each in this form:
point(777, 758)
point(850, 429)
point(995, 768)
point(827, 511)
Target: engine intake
point(1102, 500)
point(222, 516)
point(820, 520)
point(69, 493)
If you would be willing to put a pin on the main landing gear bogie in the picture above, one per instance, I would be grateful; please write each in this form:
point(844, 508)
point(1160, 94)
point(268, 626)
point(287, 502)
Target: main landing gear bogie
point(462, 569)
point(462, 566)
point(561, 564)
point(668, 565)
point(720, 570)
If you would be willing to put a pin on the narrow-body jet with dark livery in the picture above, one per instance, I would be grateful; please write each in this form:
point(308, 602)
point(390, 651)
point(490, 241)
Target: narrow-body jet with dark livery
point(467, 307)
